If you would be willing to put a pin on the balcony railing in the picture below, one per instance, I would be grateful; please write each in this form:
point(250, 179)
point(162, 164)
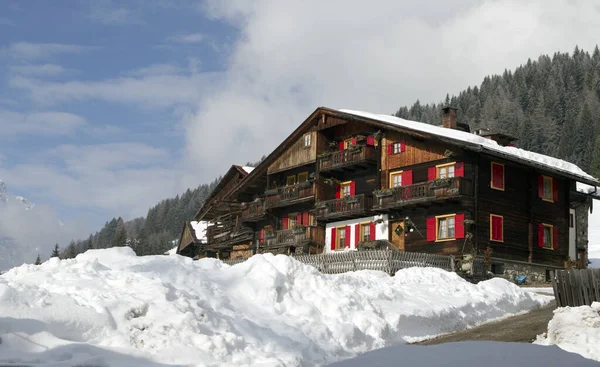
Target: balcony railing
point(348, 157)
point(345, 207)
point(253, 211)
point(289, 237)
point(288, 195)
point(421, 192)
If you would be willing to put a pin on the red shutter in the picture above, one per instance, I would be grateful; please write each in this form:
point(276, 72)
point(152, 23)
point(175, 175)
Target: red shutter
point(356, 235)
point(370, 140)
point(353, 141)
point(497, 234)
point(372, 231)
point(555, 190)
point(390, 147)
point(338, 192)
point(498, 176)
point(333, 238)
point(262, 235)
point(305, 219)
point(299, 219)
point(459, 169)
point(403, 146)
point(342, 145)
point(347, 237)
point(407, 178)
point(541, 187)
point(459, 226)
point(352, 188)
point(284, 223)
point(431, 174)
point(555, 237)
point(540, 235)
point(430, 229)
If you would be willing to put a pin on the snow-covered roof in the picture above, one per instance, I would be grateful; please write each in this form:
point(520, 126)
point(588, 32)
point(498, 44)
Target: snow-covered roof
point(588, 189)
point(480, 142)
point(248, 169)
point(199, 229)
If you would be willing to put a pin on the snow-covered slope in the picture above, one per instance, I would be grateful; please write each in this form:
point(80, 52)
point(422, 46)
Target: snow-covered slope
point(107, 305)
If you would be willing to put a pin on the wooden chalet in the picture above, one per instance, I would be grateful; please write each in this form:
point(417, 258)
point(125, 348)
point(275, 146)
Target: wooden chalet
point(346, 178)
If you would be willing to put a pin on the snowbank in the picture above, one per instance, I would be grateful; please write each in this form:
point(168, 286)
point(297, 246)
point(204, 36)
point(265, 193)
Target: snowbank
point(110, 307)
point(576, 330)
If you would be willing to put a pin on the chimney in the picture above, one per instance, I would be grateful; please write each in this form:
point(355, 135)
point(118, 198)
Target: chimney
point(449, 117)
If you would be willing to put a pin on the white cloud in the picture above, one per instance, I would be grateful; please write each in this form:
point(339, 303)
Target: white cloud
point(187, 38)
point(39, 123)
point(156, 69)
point(38, 70)
point(106, 13)
point(32, 51)
point(376, 56)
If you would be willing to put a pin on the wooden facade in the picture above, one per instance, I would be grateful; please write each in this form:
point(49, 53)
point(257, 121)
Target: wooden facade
point(441, 195)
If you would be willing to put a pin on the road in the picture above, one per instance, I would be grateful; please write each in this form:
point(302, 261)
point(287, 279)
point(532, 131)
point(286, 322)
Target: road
point(520, 329)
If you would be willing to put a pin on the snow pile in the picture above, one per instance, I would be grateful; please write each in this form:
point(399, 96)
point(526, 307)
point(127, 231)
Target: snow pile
point(481, 142)
point(172, 251)
point(200, 229)
point(111, 308)
point(576, 330)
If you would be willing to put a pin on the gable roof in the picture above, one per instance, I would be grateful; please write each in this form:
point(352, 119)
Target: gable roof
point(234, 169)
point(479, 143)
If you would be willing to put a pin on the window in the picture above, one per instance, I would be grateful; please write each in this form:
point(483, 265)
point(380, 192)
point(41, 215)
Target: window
point(548, 240)
point(292, 220)
point(547, 188)
point(291, 180)
point(497, 179)
point(445, 170)
point(365, 232)
point(302, 177)
point(395, 179)
point(307, 140)
point(347, 143)
point(496, 228)
point(345, 189)
point(445, 227)
point(341, 238)
point(396, 148)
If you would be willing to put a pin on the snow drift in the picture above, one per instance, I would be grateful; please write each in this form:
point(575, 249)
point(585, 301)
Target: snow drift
point(110, 307)
point(576, 330)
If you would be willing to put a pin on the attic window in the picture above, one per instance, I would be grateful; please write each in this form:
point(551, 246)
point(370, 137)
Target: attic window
point(307, 140)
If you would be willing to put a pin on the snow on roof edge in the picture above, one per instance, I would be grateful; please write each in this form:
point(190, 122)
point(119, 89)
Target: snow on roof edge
point(200, 229)
point(487, 144)
point(248, 169)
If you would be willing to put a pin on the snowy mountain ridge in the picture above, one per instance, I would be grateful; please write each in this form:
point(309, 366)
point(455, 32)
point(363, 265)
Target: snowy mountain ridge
point(5, 197)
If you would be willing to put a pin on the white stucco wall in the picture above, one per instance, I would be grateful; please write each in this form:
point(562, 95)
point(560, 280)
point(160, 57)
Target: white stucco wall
point(381, 229)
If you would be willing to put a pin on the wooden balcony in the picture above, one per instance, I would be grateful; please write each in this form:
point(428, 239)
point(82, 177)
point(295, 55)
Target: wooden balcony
point(423, 192)
point(347, 207)
point(288, 195)
point(298, 236)
point(253, 211)
point(350, 159)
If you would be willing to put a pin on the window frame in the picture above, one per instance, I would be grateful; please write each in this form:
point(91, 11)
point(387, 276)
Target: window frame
point(363, 226)
point(551, 181)
point(445, 165)
point(347, 143)
point(550, 228)
point(437, 225)
point(571, 220)
point(307, 140)
point(303, 175)
point(340, 233)
point(491, 228)
point(397, 148)
point(392, 174)
point(292, 220)
point(492, 176)
point(342, 186)
point(287, 180)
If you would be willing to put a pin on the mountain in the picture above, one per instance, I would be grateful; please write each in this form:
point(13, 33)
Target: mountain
point(5, 197)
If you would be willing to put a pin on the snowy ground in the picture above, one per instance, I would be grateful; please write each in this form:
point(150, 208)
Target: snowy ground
point(575, 329)
point(111, 308)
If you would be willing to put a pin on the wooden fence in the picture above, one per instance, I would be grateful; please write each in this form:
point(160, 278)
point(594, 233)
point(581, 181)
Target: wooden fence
point(574, 287)
point(389, 261)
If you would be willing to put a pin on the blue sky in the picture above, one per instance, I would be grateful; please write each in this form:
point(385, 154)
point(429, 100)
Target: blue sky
point(107, 107)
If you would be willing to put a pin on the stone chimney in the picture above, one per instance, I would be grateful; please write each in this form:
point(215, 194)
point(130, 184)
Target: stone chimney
point(449, 117)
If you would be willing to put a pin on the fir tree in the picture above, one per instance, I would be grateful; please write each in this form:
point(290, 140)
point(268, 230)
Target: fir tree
point(120, 237)
point(55, 252)
point(38, 261)
point(71, 251)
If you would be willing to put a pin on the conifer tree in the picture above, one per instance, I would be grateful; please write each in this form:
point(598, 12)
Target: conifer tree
point(38, 261)
point(55, 252)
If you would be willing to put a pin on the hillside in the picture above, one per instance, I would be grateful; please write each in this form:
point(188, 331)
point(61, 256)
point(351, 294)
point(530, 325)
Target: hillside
point(552, 105)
